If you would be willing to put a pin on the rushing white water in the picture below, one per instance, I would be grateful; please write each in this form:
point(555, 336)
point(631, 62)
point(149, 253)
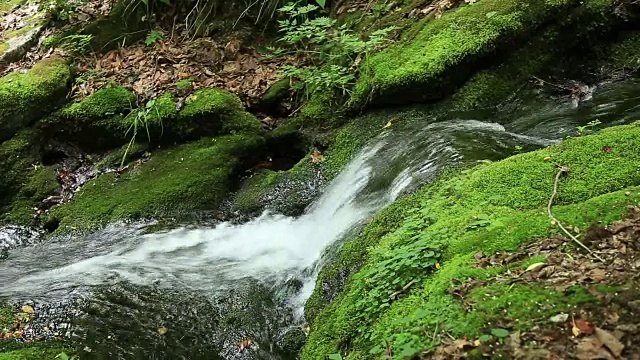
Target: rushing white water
point(271, 248)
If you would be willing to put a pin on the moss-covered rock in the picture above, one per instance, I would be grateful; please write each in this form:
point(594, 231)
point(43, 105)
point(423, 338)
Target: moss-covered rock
point(210, 112)
point(442, 53)
point(25, 97)
point(191, 177)
point(289, 192)
point(97, 122)
point(493, 207)
point(124, 25)
point(279, 91)
point(24, 182)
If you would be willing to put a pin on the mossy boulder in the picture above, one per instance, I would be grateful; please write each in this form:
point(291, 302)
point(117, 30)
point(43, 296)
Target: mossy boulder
point(175, 181)
point(124, 25)
point(491, 208)
point(437, 54)
point(94, 123)
point(26, 97)
point(209, 112)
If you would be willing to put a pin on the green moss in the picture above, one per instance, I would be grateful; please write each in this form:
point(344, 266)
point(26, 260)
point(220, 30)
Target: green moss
point(95, 123)
point(510, 197)
point(209, 112)
point(26, 97)
point(276, 93)
point(24, 183)
point(9, 5)
point(191, 177)
point(6, 317)
point(184, 84)
point(442, 52)
point(122, 26)
point(102, 104)
point(153, 120)
point(39, 351)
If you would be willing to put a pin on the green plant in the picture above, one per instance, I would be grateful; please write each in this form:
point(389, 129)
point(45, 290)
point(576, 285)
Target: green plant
point(64, 356)
point(184, 84)
point(588, 128)
point(153, 37)
point(76, 44)
point(333, 52)
point(66, 9)
point(334, 357)
point(141, 119)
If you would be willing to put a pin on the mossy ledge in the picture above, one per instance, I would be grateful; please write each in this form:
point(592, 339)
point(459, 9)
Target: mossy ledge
point(492, 207)
point(25, 97)
point(436, 54)
point(176, 181)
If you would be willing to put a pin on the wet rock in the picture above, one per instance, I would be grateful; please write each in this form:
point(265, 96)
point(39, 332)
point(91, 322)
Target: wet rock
point(292, 342)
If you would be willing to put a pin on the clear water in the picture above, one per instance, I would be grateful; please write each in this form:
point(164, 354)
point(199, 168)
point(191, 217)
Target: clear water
point(211, 263)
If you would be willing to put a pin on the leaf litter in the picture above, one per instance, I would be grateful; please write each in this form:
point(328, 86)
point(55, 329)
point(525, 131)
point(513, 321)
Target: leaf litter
point(607, 329)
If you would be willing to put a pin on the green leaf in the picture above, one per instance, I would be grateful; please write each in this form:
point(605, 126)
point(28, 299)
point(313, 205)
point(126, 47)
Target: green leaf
point(501, 333)
point(491, 14)
point(335, 357)
point(485, 338)
point(322, 3)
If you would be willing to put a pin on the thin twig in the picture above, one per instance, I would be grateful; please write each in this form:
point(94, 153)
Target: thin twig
point(552, 84)
point(563, 170)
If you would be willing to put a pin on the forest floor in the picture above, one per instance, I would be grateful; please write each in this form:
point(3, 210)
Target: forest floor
point(607, 329)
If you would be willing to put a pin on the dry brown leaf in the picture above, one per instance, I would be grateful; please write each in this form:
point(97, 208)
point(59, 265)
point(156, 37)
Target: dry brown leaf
point(244, 344)
point(162, 330)
point(610, 341)
point(584, 327)
point(316, 157)
point(590, 348)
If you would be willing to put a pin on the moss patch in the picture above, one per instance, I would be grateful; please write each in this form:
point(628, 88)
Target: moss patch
point(26, 97)
point(24, 182)
point(209, 112)
point(424, 66)
point(191, 177)
point(494, 207)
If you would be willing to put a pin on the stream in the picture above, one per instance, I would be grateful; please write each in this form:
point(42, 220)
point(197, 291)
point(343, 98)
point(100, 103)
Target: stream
point(194, 292)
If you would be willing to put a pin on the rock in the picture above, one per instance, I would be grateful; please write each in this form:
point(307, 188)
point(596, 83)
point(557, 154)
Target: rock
point(560, 318)
point(26, 97)
point(17, 40)
point(292, 341)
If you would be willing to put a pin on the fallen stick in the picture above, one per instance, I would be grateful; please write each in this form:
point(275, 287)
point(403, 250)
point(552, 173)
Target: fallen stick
point(564, 170)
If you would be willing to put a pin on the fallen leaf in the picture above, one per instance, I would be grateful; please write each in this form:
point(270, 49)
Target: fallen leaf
point(162, 330)
point(610, 341)
point(547, 158)
point(585, 327)
point(388, 125)
point(244, 344)
point(591, 348)
point(316, 157)
point(28, 309)
point(575, 330)
point(606, 148)
point(534, 267)
point(598, 275)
